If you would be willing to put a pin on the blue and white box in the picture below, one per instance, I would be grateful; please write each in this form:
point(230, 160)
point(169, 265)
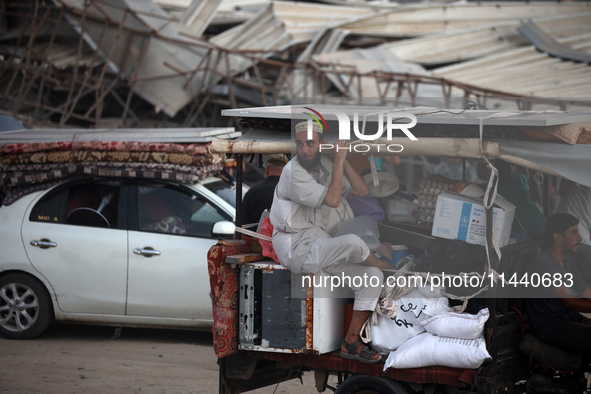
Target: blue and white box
point(464, 218)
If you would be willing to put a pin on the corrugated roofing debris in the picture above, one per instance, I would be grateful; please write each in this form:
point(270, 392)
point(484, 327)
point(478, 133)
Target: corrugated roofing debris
point(63, 55)
point(467, 44)
point(545, 43)
point(155, 53)
point(138, 61)
point(366, 61)
point(229, 12)
point(460, 46)
point(424, 19)
point(282, 24)
point(199, 15)
point(528, 72)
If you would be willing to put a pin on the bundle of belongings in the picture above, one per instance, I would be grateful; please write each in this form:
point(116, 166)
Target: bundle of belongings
point(28, 167)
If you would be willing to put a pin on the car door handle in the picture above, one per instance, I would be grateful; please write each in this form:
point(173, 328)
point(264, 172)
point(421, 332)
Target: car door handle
point(148, 252)
point(43, 244)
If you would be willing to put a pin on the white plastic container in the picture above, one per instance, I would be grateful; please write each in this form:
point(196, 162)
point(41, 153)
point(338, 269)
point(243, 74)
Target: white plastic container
point(400, 210)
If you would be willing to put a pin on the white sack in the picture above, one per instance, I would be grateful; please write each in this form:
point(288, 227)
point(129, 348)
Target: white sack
point(427, 349)
point(412, 309)
point(457, 325)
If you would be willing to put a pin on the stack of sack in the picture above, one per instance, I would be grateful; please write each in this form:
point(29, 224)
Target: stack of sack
point(450, 339)
point(403, 322)
point(423, 331)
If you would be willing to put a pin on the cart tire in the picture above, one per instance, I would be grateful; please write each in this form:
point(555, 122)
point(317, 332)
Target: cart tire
point(366, 384)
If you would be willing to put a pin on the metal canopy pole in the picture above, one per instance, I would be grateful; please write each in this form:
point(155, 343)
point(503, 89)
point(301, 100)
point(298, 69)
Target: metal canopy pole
point(239, 174)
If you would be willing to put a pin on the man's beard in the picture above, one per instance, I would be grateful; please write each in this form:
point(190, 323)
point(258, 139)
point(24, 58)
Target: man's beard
point(573, 249)
point(310, 165)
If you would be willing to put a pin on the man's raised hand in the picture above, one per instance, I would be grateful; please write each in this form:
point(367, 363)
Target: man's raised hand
point(341, 150)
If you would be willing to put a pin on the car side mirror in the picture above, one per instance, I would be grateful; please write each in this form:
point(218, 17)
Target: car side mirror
point(223, 229)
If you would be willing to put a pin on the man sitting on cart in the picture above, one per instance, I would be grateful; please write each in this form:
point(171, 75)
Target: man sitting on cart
point(560, 293)
point(309, 200)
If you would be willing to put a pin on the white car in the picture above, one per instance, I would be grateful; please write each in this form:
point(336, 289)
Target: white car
point(124, 252)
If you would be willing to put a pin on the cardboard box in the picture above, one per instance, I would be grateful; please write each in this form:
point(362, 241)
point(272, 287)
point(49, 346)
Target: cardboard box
point(464, 218)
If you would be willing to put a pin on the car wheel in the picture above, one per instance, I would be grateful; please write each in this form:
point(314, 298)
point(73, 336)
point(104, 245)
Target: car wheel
point(365, 384)
point(25, 307)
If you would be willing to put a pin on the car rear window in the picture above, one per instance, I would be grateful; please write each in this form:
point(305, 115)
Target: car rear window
point(225, 190)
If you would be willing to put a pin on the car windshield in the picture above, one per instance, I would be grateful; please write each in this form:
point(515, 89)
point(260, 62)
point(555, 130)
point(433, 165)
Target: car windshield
point(225, 190)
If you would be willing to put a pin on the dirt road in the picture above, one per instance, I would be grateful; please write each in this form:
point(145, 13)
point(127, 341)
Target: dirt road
point(84, 359)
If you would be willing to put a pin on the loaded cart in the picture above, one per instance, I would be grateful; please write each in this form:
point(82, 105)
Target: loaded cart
point(268, 329)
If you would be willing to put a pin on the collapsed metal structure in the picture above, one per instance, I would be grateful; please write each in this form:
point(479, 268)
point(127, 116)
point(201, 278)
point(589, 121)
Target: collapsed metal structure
point(102, 63)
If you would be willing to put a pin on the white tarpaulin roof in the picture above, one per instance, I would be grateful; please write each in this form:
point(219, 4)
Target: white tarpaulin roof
point(569, 161)
point(562, 159)
point(428, 115)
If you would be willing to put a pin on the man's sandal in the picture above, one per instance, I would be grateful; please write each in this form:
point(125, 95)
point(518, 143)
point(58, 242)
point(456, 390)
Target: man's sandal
point(365, 356)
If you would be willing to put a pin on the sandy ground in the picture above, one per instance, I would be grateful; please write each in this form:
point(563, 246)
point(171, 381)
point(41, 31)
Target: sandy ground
point(84, 359)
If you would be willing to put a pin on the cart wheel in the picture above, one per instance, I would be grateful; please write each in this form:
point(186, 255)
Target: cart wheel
point(366, 384)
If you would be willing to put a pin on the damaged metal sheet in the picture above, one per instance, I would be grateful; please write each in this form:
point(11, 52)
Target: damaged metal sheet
point(365, 62)
point(295, 22)
point(326, 41)
point(199, 15)
point(134, 63)
point(158, 56)
point(527, 72)
point(443, 48)
point(58, 44)
point(64, 55)
point(473, 43)
point(279, 26)
point(468, 44)
point(424, 19)
point(455, 46)
point(545, 43)
point(229, 12)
